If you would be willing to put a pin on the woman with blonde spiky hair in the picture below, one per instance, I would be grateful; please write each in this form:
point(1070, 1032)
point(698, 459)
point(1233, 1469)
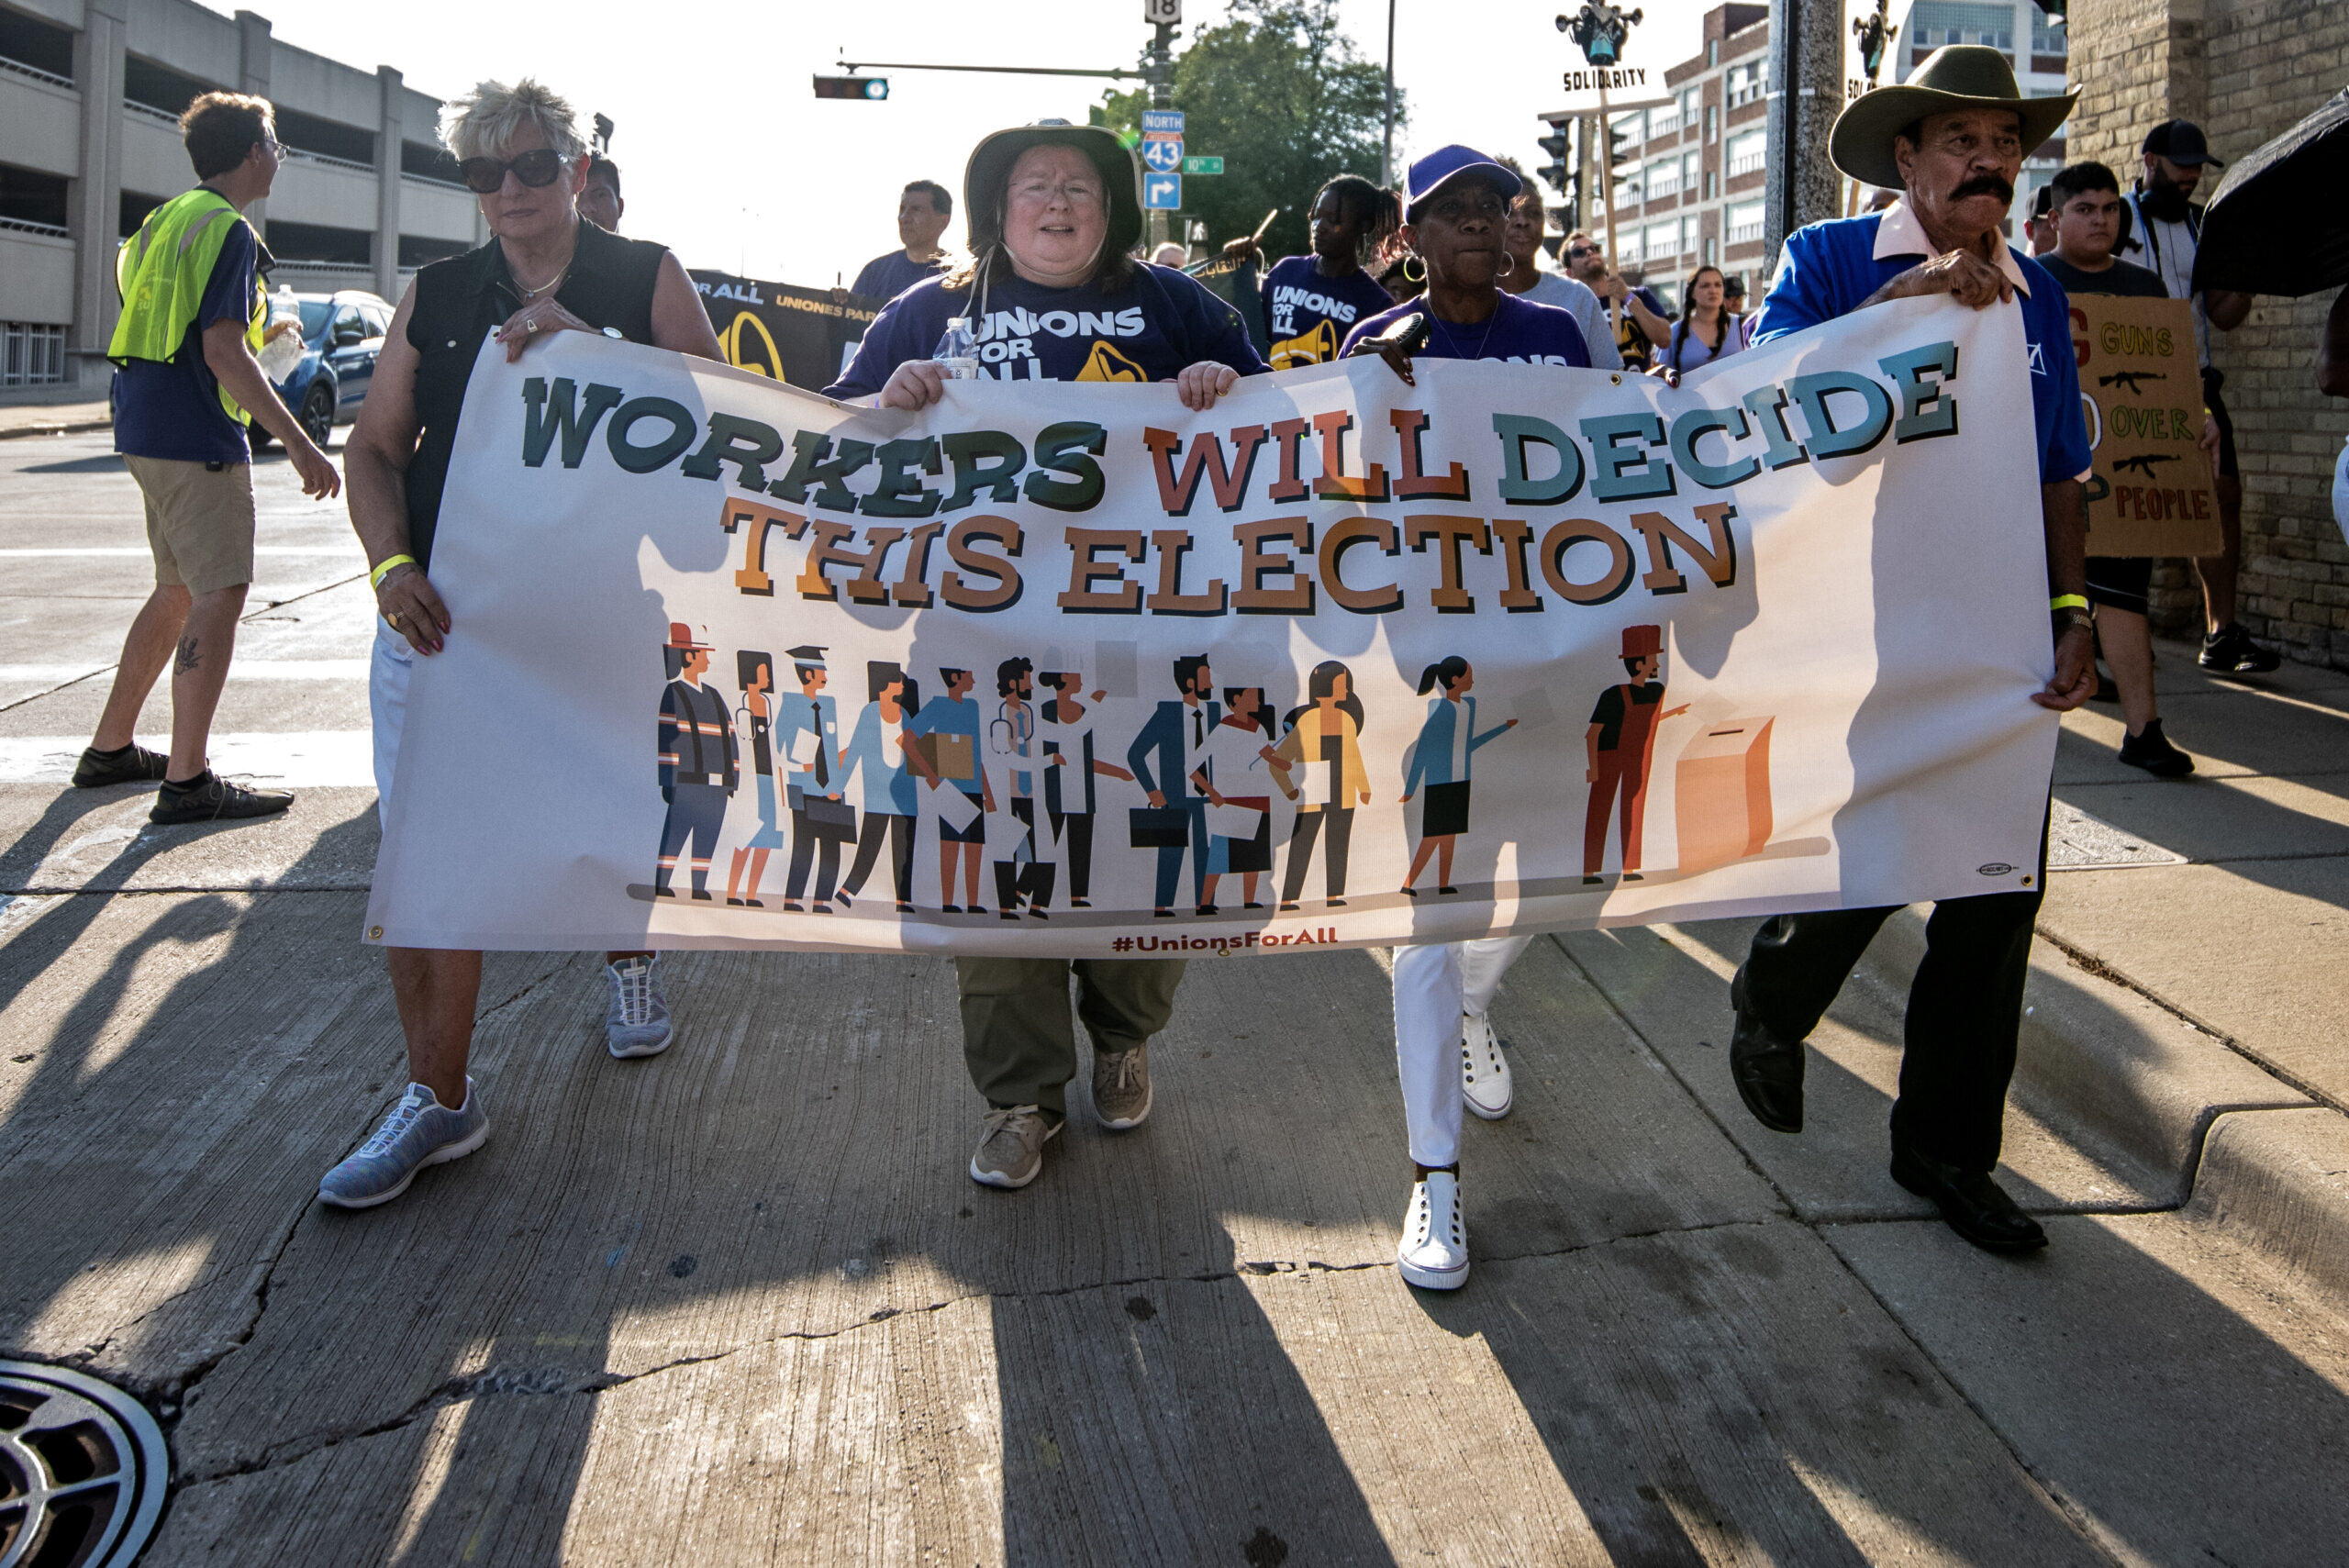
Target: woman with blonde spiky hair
point(544, 270)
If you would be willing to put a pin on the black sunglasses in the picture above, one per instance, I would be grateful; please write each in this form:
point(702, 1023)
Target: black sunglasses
point(1576, 252)
point(535, 169)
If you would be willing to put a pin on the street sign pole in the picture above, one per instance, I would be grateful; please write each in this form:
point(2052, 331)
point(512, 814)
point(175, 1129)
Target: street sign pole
point(1162, 15)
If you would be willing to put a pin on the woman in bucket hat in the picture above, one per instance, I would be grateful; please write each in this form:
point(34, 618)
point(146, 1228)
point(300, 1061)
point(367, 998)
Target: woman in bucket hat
point(1051, 294)
point(1050, 291)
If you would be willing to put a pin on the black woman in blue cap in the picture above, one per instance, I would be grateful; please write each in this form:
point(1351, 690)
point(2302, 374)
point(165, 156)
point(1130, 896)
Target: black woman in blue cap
point(1455, 219)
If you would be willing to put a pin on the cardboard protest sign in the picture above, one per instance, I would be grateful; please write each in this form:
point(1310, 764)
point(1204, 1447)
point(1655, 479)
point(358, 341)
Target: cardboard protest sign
point(2141, 390)
point(1066, 669)
point(799, 335)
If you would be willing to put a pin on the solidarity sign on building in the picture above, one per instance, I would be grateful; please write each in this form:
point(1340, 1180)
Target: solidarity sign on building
point(1066, 669)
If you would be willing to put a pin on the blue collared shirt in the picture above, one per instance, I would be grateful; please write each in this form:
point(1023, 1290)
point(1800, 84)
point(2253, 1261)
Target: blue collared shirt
point(1828, 269)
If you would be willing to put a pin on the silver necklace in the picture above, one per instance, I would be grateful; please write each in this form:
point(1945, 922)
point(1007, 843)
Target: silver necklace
point(1454, 338)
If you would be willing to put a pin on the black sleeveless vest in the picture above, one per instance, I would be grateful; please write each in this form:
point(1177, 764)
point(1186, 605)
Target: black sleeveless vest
point(461, 301)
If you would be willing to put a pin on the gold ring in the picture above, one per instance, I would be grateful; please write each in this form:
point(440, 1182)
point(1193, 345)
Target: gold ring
point(393, 616)
point(530, 324)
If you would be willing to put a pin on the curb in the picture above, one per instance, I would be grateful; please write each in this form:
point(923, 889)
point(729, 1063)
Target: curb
point(2115, 1071)
point(2231, 1146)
point(62, 427)
point(2279, 1182)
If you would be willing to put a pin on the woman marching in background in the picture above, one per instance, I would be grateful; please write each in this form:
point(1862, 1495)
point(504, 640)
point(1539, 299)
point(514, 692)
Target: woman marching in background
point(1458, 208)
point(1312, 302)
point(1705, 330)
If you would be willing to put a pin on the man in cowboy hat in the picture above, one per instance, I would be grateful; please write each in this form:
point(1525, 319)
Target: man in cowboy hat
point(1952, 139)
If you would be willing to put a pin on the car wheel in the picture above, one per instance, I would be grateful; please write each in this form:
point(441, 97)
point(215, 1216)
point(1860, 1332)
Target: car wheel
point(318, 413)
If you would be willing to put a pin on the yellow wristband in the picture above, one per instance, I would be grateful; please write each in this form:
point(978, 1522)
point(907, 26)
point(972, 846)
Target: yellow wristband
point(376, 578)
point(2067, 602)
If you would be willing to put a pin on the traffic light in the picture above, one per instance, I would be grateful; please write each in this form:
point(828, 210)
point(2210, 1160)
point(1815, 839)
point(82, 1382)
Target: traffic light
point(1621, 143)
point(869, 88)
point(1559, 145)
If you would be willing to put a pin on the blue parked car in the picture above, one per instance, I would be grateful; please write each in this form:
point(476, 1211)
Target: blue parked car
point(342, 335)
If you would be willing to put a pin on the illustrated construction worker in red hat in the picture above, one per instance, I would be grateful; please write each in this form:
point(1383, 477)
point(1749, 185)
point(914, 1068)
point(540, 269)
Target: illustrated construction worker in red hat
point(1620, 744)
point(699, 764)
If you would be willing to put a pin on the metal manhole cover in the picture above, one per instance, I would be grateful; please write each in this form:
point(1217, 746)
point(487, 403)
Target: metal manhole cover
point(82, 1469)
point(2077, 841)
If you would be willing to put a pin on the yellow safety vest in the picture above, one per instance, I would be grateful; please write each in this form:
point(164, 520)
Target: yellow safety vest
point(163, 271)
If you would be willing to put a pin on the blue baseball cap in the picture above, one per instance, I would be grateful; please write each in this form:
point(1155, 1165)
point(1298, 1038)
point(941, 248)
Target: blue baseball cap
point(1446, 164)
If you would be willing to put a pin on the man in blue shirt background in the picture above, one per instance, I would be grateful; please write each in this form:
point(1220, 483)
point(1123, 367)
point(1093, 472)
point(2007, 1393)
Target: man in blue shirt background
point(923, 209)
point(1954, 137)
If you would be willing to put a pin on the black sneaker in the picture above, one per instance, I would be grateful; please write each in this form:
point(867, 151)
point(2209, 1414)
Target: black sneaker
point(2151, 750)
point(131, 764)
point(2231, 651)
point(207, 798)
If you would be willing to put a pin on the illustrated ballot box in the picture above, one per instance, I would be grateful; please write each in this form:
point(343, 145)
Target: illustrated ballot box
point(1722, 794)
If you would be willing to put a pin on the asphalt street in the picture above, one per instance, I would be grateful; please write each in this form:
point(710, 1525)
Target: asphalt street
point(739, 1303)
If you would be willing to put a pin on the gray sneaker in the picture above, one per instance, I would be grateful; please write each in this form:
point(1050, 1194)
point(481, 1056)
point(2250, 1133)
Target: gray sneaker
point(1011, 1146)
point(1121, 1087)
point(420, 1131)
point(636, 1007)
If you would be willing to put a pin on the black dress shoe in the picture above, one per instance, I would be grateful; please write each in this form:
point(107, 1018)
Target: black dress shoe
point(1766, 1070)
point(1975, 1206)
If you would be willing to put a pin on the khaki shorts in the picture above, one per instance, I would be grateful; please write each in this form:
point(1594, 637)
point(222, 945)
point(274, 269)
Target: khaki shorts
point(199, 521)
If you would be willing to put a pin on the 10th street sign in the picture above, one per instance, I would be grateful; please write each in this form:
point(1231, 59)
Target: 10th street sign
point(1202, 165)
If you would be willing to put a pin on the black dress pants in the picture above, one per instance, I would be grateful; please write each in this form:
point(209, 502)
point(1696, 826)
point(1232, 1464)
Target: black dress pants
point(1965, 1008)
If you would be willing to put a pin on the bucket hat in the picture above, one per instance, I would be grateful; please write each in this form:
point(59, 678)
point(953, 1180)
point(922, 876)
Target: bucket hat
point(991, 163)
point(1954, 77)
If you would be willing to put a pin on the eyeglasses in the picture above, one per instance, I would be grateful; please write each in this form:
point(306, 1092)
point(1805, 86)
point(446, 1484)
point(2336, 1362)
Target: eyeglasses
point(537, 168)
point(1073, 193)
point(1576, 252)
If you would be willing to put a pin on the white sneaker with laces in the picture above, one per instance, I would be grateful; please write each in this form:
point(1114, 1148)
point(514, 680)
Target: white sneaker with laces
point(1486, 1082)
point(636, 1007)
point(1435, 1251)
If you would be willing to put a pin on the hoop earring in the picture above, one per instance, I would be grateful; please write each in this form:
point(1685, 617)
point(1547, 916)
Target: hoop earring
point(1409, 258)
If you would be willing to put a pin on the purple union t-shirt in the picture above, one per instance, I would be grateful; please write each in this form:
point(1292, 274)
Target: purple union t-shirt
point(1519, 332)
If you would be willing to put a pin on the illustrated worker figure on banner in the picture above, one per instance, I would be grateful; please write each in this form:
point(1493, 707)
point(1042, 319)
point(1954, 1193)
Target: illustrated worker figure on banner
point(1620, 745)
point(698, 762)
point(807, 732)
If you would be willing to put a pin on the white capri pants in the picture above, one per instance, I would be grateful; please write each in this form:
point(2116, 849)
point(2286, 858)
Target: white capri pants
point(1434, 985)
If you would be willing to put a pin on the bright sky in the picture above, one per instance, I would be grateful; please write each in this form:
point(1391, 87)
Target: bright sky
point(731, 160)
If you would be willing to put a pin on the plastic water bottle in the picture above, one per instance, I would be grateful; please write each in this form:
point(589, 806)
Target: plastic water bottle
point(282, 346)
point(958, 350)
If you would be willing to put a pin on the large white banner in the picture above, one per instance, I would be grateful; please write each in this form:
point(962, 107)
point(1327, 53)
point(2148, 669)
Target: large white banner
point(1066, 669)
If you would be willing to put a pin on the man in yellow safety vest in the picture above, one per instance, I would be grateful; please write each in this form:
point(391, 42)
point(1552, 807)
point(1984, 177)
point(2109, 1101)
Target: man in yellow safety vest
point(186, 386)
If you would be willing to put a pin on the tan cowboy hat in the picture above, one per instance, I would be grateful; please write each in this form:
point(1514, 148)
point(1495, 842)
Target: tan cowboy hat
point(1954, 77)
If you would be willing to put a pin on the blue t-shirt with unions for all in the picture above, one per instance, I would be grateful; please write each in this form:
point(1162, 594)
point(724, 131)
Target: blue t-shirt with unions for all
point(886, 277)
point(1828, 269)
point(1149, 330)
point(1309, 314)
point(1519, 331)
point(171, 408)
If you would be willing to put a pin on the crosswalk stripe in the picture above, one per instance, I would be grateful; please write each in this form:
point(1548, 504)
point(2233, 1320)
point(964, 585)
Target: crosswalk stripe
point(317, 759)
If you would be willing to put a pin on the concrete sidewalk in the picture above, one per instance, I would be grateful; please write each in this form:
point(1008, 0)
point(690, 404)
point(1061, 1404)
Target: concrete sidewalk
point(739, 1304)
point(69, 413)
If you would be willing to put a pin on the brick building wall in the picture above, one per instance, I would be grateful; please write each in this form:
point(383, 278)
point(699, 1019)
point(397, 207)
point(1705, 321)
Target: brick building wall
point(2245, 70)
